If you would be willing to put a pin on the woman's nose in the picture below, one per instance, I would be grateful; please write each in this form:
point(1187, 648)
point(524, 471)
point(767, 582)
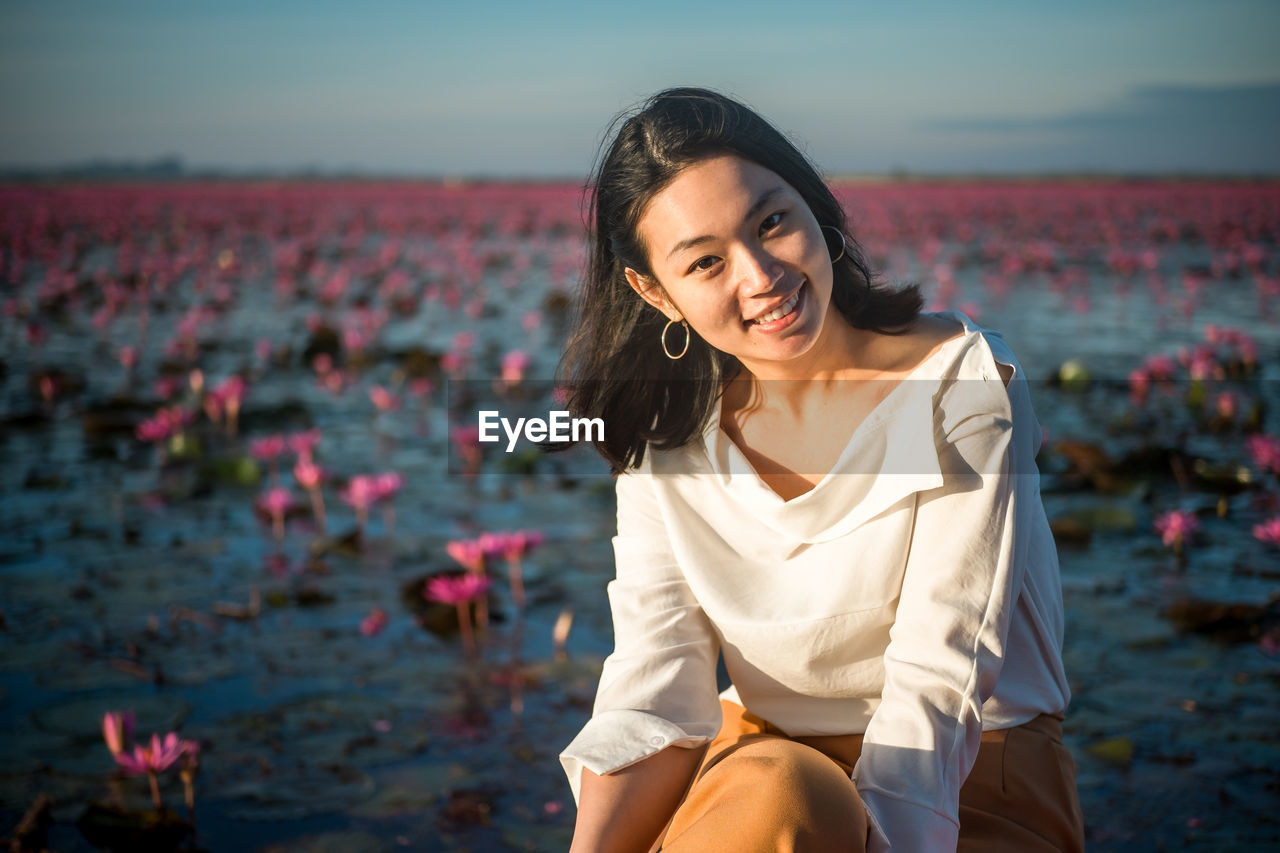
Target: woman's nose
point(759, 272)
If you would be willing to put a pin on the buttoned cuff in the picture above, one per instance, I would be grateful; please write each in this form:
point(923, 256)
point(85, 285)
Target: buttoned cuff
point(903, 827)
point(613, 740)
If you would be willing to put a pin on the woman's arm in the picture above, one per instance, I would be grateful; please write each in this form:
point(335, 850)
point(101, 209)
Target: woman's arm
point(626, 810)
point(966, 564)
point(657, 706)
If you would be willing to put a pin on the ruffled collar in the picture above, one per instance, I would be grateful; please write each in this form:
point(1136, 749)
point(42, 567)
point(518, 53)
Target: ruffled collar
point(877, 468)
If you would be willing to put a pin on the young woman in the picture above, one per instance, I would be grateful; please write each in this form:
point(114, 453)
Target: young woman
point(828, 488)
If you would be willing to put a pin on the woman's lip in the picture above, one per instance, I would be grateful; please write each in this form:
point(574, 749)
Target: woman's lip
point(782, 322)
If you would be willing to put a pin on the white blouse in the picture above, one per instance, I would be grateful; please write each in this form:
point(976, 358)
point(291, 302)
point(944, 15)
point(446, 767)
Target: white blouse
point(912, 595)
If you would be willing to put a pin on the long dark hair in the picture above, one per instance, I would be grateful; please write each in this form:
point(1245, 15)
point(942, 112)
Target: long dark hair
point(614, 367)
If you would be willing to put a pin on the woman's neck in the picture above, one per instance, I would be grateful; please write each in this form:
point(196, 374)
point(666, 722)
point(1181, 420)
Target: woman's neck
point(840, 354)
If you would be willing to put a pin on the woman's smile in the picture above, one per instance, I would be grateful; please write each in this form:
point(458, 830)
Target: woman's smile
point(779, 318)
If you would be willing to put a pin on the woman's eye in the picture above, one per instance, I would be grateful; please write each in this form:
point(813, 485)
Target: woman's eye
point(703, 264)
point(772, 221)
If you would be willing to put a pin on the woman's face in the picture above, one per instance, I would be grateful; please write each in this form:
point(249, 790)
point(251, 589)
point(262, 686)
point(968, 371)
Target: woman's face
point(738, 254)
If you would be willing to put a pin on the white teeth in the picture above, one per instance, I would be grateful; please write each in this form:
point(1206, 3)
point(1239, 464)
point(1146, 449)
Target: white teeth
point(781, 311)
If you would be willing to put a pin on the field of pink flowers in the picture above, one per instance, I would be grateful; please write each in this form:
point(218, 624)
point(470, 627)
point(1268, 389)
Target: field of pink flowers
point(236, 513)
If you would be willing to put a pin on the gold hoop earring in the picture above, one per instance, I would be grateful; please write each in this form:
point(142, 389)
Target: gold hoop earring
point(843, 243)
point(663, 339)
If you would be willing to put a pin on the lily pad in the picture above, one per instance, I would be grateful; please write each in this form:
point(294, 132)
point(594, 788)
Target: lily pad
point(412, 790)
point(294, 792)
point(327, 729)
point(82, 716)
point(1117, 750)
point(19, 789)
point(535, 837)
point(469, 807)
point(1231, 622)
point(113, 828)
point(236, 471)
point(331, 842)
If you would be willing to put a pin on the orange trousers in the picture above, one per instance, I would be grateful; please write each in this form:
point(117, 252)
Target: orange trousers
point(759, 790)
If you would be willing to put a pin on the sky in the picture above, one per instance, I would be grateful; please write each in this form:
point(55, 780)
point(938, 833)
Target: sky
point(527, 89)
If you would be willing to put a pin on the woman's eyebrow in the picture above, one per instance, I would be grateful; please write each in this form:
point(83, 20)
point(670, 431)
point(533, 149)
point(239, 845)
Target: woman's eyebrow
point(752, 212)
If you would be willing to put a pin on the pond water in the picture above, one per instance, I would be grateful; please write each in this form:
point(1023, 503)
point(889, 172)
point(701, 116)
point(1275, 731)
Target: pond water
point(141, 574)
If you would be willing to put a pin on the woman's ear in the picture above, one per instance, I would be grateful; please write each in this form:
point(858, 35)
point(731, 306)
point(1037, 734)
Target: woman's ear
point(650, 291)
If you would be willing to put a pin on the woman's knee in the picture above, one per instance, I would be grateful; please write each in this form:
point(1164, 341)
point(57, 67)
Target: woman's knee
point(796, 786)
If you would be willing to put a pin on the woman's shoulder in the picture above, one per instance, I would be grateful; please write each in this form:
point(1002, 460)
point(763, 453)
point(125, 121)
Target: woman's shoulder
point(904, 351)
point(979, 375)
point(976, 352)
point(930, 333)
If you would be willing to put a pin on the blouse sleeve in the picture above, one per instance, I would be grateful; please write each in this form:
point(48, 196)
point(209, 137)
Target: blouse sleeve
point(658, 687)
point(948, 639)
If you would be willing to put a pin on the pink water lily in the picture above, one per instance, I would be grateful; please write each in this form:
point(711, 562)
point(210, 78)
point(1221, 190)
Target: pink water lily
point(1236, 339)
point(159, 756)
point(37, 334)
point(513, 546)
point(520, 543)
point(386, 485)
point(517, 546)
point(354, 340)
point(166, 424)
point(468, 552)
point(492, 545)
point(308, 474)
point(1201, 362)
point(1268, 531)
point(166, 387)
point(1225, 405)
point(303, 444)
point(362, 491)
point(374, 622)
point(560, 633)
point(1176, 526)
point(514, 365)
point(155, 758)
point(460, 591)
point(213, 408)
point(466, 443)
point(453, 363)
point(1159, 367)
point(117, 730)
point(383, 399)
point(1264, 450)
point(229, 394)
point(276, 502)
point(268, 448)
